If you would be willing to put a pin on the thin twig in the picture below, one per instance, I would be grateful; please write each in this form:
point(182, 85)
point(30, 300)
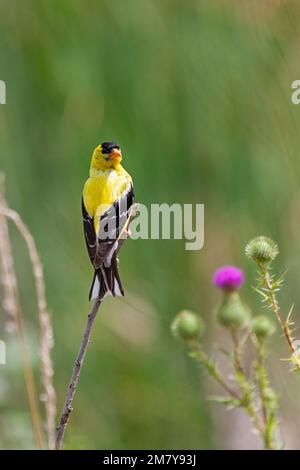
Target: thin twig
point(12, 306)
point(67, 409)
point(46, 330)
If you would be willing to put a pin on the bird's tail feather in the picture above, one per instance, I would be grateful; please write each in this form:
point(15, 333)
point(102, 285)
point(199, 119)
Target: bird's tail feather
point(106, 281)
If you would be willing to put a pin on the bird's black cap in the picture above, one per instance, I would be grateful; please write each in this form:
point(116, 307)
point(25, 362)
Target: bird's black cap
point(107, 147)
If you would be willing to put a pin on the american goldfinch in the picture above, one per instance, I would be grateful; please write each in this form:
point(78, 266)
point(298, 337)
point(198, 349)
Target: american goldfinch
point(107, 198)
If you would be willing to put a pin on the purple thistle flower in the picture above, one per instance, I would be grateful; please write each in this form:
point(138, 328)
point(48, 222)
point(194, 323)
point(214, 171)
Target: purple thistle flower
point(229, 278)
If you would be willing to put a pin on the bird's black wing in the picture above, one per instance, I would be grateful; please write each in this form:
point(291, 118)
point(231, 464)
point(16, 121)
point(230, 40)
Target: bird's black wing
point(112, 222)
point(89, 232)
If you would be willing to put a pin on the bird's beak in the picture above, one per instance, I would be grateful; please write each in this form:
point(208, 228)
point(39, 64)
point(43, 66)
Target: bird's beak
point(115, 153)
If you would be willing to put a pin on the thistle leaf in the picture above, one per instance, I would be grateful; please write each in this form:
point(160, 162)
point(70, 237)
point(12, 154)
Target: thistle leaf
point(224, 400)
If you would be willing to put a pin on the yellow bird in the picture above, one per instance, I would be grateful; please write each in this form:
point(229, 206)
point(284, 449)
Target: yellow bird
point(107, 198)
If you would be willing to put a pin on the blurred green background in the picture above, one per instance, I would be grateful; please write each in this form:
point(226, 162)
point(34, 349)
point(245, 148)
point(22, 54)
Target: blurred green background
point(197, 93)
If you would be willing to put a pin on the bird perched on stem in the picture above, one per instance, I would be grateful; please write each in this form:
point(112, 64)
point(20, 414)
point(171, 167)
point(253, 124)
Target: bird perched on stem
point(107, 199)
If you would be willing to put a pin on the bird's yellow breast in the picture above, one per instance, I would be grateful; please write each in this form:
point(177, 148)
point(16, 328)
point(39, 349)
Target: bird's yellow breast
point(102, 189)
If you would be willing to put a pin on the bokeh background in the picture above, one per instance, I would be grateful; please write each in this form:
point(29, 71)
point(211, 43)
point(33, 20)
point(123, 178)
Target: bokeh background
point(197, 93)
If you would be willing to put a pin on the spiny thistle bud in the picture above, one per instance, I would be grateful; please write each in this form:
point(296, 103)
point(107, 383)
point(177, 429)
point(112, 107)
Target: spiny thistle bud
point(233, 313)
point(229, 278)
point(187, 326)
point(262, 250)
point(262, 327)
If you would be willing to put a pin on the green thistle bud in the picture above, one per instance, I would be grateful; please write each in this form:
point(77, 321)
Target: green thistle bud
point(233, 313)
point(262, 250)
point(262, 327)
point(187, 326)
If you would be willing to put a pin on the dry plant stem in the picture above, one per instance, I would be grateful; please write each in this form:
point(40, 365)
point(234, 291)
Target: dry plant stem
point(276, 308)
point(67, 409)
point(12, 305)
point(46, 330)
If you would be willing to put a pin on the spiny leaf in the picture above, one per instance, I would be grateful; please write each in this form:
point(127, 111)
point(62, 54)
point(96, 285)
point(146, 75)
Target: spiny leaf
point(225, 352)
point(281, 278)
point(260, 292)
point(224, 400)
point(288, 319)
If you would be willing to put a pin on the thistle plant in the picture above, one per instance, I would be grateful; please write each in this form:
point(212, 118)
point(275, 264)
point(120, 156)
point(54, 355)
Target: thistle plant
point(250, 389)
point(263, 251)
point(262, 328)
